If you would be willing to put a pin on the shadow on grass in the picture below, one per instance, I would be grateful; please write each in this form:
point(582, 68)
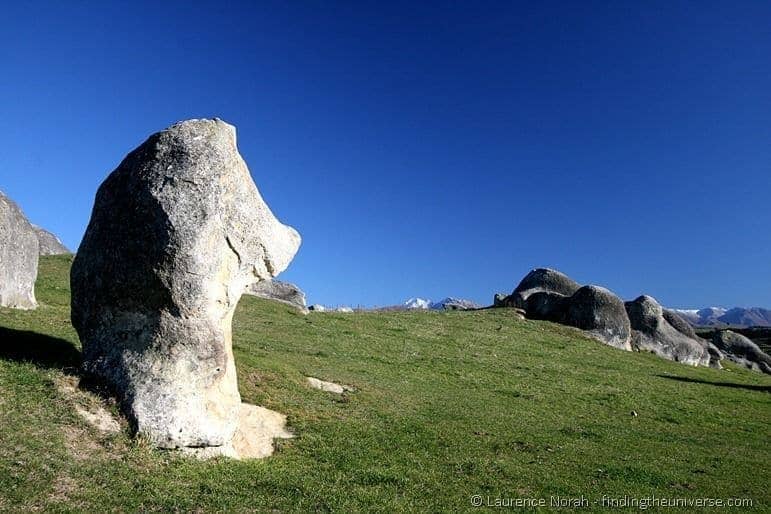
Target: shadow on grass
point(42, 350)
point(749, 387)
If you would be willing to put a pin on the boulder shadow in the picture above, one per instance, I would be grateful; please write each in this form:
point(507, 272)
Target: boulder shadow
point(748, 387)
point(42, 350)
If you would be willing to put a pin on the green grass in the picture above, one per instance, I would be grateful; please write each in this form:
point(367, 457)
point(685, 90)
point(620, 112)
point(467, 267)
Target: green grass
point(447, 405)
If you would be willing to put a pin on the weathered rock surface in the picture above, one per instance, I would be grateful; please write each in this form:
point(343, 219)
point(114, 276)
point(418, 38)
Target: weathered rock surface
point(741, 350)
point(601, 314)
point(19, 250)
point(177, 233)
point(329, 387)
point(49, 243)
point(546, 305)
point(652, 332)
point(541, 280)
point(679, 323)
point(550, 295)
point(279, 291)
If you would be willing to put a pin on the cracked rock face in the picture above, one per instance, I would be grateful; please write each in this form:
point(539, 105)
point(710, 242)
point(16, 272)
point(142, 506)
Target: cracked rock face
point(177, 233)
point(19, 251)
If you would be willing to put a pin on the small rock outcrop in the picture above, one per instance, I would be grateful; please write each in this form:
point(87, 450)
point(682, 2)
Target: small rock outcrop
point(742, 351)
point(653, 332)
point(600, 313)
point(49, 243)
point(329, 387)
point(176, 234)
point(279, 291)
point(19, 250)
point(541, 280)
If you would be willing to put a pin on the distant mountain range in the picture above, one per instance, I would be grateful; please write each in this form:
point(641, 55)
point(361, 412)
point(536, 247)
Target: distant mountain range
point(446, 304)
point(718, 317)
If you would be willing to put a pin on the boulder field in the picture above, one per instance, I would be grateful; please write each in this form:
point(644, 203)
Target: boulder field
point(641, 324)
point(177, 233)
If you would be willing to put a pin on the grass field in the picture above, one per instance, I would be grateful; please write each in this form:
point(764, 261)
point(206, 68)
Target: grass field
point(447, 406)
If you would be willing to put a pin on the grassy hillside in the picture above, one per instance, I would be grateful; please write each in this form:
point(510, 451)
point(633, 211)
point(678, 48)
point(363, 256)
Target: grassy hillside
point(447, 405)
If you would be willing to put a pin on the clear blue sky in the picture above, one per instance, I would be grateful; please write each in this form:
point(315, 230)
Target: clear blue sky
point(428, 149)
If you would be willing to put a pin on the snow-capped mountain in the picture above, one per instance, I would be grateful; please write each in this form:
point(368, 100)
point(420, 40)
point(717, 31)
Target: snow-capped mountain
point(449, 303)
point(458, 304)
point(417, 303)
point(719, 316)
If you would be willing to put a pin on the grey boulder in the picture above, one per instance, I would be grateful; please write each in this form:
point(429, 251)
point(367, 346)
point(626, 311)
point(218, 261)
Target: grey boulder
point(177, 232)
point(651, 331)
point(49, 243)
point(601, 314)
point(547, 294)
point(679, 323)
point(279, 291)
point(19, 250)
point(546, 305)
point(541, 280)
point(742, 351)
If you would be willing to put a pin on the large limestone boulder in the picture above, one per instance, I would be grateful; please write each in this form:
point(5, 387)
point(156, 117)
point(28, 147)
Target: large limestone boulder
point(651, 331)
point(679, 323)
point(177, 233)
point(276, 290)
point(742, 351)
point(601, 314)
point(546, 305)
point(550, 295)
point(541, 280)
point(19, 249)
point(49, 243)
